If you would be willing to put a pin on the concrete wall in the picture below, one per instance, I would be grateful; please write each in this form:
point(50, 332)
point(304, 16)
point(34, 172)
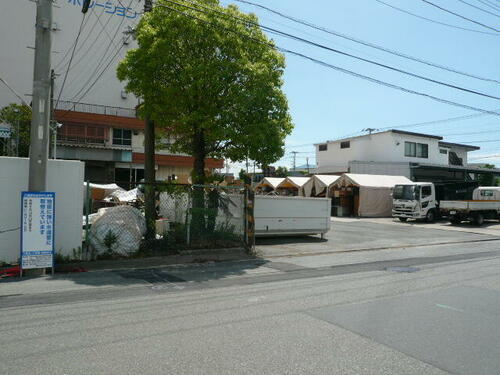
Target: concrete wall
point(65, 178)
point(17, 20)
point(380, 147)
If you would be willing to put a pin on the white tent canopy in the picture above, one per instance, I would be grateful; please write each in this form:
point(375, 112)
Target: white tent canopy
point(289, 185)
point(375, 199)
point(296, 182)
point(371, 180)
point(319, 182)
point(270, 182)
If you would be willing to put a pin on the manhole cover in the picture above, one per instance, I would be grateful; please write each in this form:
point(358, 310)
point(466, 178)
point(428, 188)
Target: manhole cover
point(402, 269)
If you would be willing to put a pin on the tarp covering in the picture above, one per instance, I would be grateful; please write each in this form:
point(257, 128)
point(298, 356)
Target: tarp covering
point(122, 196)
point(375, 202)
point(125, 224)
point(109, 188)
point(375, 199)
point(320, 183)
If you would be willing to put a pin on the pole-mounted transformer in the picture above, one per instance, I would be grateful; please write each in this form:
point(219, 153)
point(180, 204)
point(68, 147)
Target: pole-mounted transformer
point(148, 5)
point(85, 6)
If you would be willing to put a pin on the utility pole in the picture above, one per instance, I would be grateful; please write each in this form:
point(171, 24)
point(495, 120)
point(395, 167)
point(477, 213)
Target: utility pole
point(39, 136)
point(307, 161)
point(149, 166)
point(294, 159)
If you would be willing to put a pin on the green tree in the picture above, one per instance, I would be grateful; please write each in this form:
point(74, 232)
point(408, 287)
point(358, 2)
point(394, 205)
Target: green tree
point(281, 172)
point(19, 118)
point(487, 179)
point(216, 91)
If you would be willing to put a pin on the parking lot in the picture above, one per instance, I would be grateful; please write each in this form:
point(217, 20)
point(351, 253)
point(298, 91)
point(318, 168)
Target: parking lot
point(370, 234)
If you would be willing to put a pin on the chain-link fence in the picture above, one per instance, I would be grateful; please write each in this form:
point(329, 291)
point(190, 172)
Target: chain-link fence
point(187, 217)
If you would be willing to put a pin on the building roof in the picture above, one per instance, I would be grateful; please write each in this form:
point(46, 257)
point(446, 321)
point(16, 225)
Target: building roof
point(371, 180)
point(423, 135)
point(415, 134)
point(466, 168)
point(468, 147)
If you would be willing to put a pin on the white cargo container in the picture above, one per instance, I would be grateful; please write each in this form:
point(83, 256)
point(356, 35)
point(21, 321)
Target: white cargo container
point(285, 216)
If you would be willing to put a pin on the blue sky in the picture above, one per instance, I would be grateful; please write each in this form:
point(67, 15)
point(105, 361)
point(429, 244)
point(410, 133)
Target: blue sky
point(326, 104)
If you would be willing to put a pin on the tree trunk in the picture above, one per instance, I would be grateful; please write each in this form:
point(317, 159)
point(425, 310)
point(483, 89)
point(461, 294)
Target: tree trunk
point(198, 209)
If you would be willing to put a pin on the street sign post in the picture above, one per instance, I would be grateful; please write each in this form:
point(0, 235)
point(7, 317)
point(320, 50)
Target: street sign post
point(37, 230)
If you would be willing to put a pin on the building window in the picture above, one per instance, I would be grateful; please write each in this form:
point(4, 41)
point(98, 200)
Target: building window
point(443, 151)
point(323, 147)
point(419, 150)
point(422, 150)
point(345, 144)
point(410, 149)
point(122, 137)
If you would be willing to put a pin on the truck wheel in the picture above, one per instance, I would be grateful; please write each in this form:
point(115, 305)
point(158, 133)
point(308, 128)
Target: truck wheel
point(430, 217)
point(454, 220)
point(403, 219)
point(478, 219)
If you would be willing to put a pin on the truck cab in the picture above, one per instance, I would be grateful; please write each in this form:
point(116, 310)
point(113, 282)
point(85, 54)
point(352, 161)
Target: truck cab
point(415, 201)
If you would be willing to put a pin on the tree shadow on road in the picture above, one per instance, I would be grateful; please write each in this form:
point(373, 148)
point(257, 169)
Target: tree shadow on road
point(172, 274)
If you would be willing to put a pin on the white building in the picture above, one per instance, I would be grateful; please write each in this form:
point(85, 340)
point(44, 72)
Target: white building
point(396, 152)
point(99, 118)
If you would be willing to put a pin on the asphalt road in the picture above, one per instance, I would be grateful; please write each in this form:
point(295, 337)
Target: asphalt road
point(330, 312)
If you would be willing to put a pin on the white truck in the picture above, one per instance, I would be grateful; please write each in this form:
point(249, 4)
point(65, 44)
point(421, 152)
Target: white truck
point(422, 200)
point(287, 216)
point(485, 204)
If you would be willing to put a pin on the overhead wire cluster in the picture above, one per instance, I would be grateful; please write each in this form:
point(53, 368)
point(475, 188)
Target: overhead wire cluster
point(98, 61)
point(187, 7)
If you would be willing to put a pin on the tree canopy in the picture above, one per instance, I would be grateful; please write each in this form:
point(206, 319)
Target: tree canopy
point(211, 80)
point(19, 118)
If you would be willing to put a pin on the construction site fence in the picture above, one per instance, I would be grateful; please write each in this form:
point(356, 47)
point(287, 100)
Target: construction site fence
point(187, 217)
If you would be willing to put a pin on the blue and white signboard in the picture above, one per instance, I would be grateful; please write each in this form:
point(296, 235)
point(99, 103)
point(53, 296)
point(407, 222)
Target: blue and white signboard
point(37, 229)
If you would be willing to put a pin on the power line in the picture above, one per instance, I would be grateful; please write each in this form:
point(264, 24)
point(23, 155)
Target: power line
point(72, 45)
point(281, 33)
point(482, 141)
point(490, 4)
point(70, 61)
point(434, 21)
point(479, 8)
point(99, 64)
point(356, 40)
point(334, 67)
point(460, 16)
point(14, 91)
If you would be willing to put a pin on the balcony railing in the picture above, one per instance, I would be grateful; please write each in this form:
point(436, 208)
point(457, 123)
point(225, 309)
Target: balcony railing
point(81, 140)
point(96, 108)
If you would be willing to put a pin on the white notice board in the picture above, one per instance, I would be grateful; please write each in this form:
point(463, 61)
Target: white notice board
point(37, 229)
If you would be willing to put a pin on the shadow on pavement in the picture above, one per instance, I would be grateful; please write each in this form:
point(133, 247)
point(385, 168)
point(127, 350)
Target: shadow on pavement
point(290, 240)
